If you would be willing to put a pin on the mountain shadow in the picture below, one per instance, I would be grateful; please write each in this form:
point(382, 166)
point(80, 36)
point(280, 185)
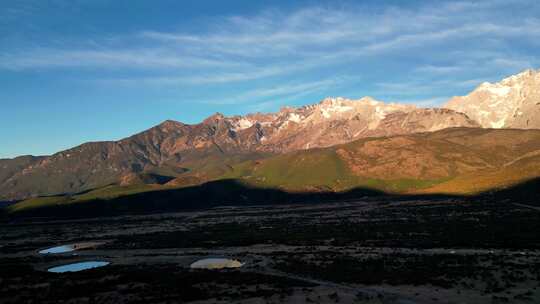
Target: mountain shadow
point(6, 203)
point(527, 192)
point(231, 192)
point(228, 192)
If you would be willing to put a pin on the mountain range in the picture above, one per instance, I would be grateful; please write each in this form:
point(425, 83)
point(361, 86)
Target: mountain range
point(336, 144)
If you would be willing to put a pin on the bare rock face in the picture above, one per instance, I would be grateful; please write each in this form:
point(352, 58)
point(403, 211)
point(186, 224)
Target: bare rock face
point(339, 120)
point(423, 120)
point(512, 103)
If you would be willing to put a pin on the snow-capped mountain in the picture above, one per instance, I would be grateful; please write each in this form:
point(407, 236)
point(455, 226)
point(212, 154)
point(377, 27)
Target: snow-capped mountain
point(339, 120)
point(209, 148)
point(513, 102)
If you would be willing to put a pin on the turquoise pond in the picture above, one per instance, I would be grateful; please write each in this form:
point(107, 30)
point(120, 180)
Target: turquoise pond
point(78, 266)
point(58, 249)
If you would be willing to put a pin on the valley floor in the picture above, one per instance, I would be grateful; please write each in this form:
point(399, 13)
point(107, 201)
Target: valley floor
point(373, 251)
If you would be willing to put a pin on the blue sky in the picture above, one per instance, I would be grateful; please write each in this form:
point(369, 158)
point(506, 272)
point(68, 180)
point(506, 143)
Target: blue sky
point(73, 71)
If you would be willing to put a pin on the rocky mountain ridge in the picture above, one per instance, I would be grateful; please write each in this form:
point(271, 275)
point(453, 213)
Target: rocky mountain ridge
point(513, 102)
point(201, 151)
point(339, 120)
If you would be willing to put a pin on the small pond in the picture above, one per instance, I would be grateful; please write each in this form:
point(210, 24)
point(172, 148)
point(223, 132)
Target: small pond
point(74, 267)
point(58, 249)
point(216, 263)
point(69, 247)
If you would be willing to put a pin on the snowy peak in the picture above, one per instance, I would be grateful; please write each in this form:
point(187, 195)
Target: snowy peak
point(242, 123)
point(509, 84)
point(333, 120)
point(497, 89)
point(511, 103)
point(521, 77)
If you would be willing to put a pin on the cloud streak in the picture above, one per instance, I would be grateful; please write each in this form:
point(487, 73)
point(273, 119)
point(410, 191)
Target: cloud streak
point(280, 91)
point(433, 42)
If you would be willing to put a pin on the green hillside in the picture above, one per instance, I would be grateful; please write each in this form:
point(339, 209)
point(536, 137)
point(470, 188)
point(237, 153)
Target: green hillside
point(451, 161)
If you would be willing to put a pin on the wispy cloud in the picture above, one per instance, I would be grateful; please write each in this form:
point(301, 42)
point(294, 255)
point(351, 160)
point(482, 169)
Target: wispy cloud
point(280, 91)
point(250, 72)
point(434, 69)
point(443, 44)
point(106, 59)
